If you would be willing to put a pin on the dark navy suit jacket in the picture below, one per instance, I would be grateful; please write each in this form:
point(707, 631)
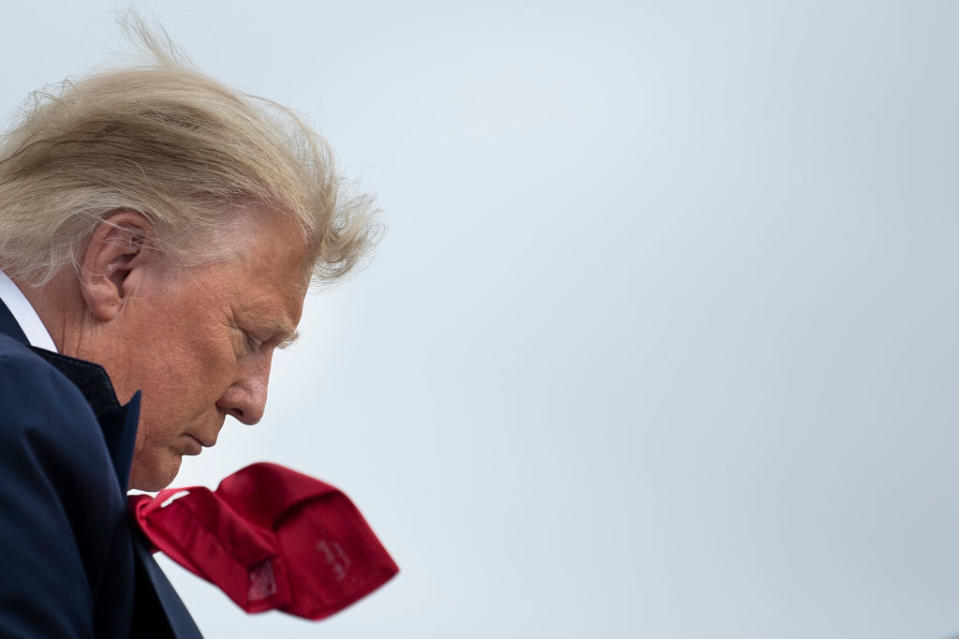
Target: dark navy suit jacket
point(71, 564)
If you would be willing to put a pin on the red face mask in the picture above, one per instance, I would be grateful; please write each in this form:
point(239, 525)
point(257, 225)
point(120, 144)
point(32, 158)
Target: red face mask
point(270, 537)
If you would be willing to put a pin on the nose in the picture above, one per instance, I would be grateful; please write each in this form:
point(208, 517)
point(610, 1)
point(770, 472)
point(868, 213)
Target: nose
point(245, 399)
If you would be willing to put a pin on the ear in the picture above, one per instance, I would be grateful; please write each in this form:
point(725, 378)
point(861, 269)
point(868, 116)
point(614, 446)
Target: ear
point(115, 249)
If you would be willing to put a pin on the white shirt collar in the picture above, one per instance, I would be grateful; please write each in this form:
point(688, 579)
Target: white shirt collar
point(23, 312)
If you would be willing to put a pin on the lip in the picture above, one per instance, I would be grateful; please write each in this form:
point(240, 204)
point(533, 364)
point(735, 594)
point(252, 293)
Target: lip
point(205, 443)
point(193, 445)
point(190, 445)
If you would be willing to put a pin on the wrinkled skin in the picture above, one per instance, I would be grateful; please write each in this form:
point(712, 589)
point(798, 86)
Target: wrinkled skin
point(197, 342)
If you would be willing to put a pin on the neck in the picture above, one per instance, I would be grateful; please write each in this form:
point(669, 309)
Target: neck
point(60, 307)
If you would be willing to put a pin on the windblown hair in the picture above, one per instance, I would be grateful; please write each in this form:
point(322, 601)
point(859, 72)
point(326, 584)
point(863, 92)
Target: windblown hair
point(190, 154)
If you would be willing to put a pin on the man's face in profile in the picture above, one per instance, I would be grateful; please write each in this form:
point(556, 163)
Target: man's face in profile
point(198, 342)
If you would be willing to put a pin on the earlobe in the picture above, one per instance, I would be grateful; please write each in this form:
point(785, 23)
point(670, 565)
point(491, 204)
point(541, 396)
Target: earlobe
point(113, 252)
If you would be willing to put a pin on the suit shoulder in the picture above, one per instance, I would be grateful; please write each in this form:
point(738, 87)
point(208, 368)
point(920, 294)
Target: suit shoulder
point(34, 394)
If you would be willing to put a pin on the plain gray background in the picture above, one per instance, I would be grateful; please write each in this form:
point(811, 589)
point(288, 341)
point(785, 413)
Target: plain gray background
point(661, 341)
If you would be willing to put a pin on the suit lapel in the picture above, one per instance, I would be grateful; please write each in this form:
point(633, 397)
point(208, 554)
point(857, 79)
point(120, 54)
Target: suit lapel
point(160, 611)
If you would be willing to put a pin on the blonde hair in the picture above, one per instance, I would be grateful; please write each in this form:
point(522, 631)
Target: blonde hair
point(187, 152)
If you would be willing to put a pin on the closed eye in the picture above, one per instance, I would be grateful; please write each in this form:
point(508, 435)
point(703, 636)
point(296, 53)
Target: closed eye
point(252, 343)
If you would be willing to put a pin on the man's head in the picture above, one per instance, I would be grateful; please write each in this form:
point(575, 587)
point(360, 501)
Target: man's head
point(198, 340)
point(167, 227)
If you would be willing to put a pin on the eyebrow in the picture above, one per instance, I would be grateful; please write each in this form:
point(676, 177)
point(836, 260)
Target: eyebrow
point(289, 341)
point(278, 330)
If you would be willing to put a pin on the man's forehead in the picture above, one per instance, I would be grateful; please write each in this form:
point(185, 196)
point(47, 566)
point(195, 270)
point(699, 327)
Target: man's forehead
point(269, 285)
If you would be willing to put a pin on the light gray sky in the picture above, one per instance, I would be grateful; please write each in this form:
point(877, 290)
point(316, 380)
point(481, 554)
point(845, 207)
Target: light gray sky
point(661, 341)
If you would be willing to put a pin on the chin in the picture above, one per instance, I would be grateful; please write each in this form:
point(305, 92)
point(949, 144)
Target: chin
point(154, 474)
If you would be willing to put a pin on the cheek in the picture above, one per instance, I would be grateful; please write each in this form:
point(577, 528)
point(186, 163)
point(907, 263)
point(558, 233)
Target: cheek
point(194, 360)
point(158, 427)
point(181, 384)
